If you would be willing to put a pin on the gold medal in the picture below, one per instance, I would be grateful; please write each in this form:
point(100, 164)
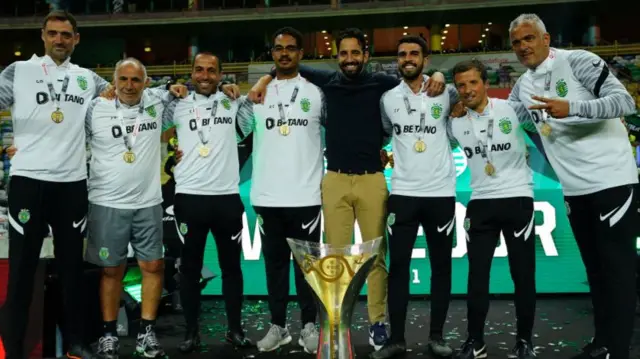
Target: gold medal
point(204, 151)
point(545, 130)
point(284, 130)
point(57, 116)
point(420, 146)
point(489, 169)
point(129, 157)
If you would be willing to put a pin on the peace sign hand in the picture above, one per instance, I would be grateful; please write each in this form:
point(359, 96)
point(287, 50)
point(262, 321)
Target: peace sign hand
point(556, 108)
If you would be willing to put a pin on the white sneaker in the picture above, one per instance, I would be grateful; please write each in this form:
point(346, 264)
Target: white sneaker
point(276, 337)
point(309, 337)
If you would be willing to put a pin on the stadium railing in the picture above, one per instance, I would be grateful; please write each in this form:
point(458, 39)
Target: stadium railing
point(242, 68)
point(278, 12)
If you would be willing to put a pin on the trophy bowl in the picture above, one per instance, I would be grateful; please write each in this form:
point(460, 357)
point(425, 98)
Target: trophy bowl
point(336, 274)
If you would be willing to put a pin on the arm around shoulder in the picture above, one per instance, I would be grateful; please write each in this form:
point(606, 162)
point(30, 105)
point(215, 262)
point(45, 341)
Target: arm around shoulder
point(168, 114)
point(100, 84)
point(388, 82)
point(89, 115)
point(6, 86)
point(245, 117)
point(318, 77)
point(612, 98)
point(453, 141)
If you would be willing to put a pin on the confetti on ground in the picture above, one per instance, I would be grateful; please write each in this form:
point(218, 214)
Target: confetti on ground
point(562, 327)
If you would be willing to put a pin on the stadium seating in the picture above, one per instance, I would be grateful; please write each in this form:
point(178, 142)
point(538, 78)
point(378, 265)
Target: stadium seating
point(627, 68)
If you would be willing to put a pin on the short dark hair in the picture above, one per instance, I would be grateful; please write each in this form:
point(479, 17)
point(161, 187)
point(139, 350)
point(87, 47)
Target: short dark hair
point(473, 64)
point(412, 39)
point(61, 15)
point(288, 31)
point(352, 33)
point(208, 54)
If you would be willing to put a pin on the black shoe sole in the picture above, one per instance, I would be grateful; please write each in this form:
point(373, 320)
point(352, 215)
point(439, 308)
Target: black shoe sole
point(243, 345)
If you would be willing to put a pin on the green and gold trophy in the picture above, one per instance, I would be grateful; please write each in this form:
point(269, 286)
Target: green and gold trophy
point(336, 274)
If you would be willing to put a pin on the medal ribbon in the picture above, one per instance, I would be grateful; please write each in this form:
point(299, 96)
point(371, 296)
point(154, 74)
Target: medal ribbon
point(547, 93)
point(423, 111)
point(200, 129)
point(284, 117)
point(52, 92)
point(129, 143)
point(547, 89)
point(485, 148)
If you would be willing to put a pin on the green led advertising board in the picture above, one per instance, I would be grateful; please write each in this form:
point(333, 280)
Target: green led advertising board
point(559, 267)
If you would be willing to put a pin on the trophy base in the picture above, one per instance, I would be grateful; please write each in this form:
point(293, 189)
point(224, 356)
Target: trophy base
point(339, 346)
point(336, 275)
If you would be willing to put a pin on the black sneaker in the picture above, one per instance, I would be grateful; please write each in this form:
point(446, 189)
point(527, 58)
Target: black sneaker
point(439, 347)
point(237, 339)
point(378, 335)
point(472, 349)
point(592, 351)
point(522, 350)
point(389, 350)
point(147, 344)
point(80, 352)
point(191, 342)
point(108, 347)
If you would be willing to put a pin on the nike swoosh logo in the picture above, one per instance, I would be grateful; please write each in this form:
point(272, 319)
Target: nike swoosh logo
point(517, 234)
point(604, 218)
point(596, 64)
point(617, 213)
point(448, 226)
point(237, 236)
point(477, 352)
point(305, 226)
point(76, 225)
point(526, 228)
